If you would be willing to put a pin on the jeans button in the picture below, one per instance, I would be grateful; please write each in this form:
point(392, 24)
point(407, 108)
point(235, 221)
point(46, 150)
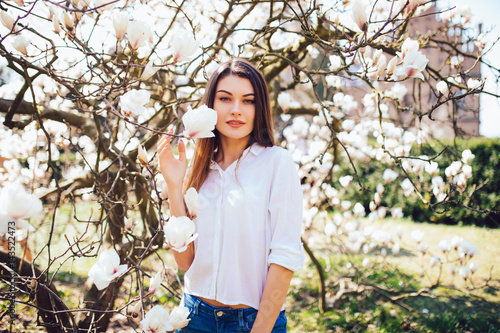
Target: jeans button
point(219, 313)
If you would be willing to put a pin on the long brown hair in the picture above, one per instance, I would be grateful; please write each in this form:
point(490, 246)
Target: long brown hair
point(262, 133)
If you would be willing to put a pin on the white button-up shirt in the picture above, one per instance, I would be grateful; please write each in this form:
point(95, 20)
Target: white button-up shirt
point(250, 216)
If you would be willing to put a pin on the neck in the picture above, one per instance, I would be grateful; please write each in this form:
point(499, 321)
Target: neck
point(230, 151)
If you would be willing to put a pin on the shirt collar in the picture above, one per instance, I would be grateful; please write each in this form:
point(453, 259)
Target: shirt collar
point(255, 149)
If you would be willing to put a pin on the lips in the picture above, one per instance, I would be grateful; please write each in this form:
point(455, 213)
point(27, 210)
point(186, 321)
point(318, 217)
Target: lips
point(235, 123)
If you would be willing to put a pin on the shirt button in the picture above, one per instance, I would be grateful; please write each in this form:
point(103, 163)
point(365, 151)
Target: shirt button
point(220, 313)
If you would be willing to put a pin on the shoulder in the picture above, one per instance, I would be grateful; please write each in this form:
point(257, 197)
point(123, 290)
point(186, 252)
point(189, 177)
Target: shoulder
point(278, 156)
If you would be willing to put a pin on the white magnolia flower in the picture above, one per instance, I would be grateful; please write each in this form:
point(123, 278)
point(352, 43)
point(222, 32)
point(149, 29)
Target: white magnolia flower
point(120, 23)
point(442, 87)
point(142, 156)
point(106, 269)
point(444, 245)
point(397, 212)
point(414, 63)
point(467, 248)
point(455, 242)
point(192, 202)
point(68, 21)
point(179, 317)
point(414, 4)
point(359, 210)
point(149, 70)
point(128, 223)
point(473, 267)
point(345, 181)
point(389, 175)
point(132, 103)
point(161, 186)
point(392, 64)
point(155, 282)
point(103, 5)
point(409, 45)
point(431, 168)
point(455, 61)
point(330, 229)
point(464, 272)
point(284, 100)
point(179, 232)
point(56, 23)
point(335, 62)
point(359, 14)
point(417, 235)
point(7, 20)
point(157, 320)
point(16, 205)
point(184, 46)
point(467, 171)
point(453, 169)
point(138, 33)
point(467, 156)
point(199, 122)
point(473, 84)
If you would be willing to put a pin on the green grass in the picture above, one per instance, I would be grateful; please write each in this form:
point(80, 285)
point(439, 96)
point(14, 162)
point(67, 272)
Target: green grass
point(441, 310)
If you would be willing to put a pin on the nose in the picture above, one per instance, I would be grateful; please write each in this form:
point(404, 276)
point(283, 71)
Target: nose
point(235, 110)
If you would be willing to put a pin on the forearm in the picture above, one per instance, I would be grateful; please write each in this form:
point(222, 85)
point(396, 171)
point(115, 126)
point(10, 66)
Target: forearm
point(274, 294)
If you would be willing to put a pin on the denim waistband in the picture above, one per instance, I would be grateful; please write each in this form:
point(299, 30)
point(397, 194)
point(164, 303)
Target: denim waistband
point(223, 313)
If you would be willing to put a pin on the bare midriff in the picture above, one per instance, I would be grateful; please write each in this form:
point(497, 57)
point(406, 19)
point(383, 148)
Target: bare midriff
point(222, 305)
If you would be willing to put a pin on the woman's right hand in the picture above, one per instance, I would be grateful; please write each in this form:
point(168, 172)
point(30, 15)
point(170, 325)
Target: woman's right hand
point(172, 169)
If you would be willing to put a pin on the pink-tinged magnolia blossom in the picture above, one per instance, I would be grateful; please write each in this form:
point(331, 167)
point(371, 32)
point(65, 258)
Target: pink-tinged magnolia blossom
point(138, 33)
point(414, 63)
point(409, 45)
point(57, 24)
point(414, 4)
point(192, 202)
point(149, 70)
point(16, 205)
point(179, 317)
point(389, 175)
point(21, 44)
point(157, 320)
point(359, 14)
point(68, 21)
point(106, 269)
point(7, 20)
point(120, 23)
point(179, 232)
point(184, 46)
point(155, 283)
point(19, 2)
point(199, 122)
point(132, 103)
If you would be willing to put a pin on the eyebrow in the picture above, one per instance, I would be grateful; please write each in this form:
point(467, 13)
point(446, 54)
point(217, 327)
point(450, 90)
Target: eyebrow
point(227, 92)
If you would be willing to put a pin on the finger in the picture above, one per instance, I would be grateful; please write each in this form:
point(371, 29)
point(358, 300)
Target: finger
point(182, 151)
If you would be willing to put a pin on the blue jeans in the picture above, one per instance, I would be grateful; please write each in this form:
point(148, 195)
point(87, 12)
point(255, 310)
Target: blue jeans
point(211, 319)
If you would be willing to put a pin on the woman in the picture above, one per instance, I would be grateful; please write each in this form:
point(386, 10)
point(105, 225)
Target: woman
point(250, 215)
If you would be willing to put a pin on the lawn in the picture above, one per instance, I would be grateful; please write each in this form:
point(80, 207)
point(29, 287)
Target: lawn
point(438, 310)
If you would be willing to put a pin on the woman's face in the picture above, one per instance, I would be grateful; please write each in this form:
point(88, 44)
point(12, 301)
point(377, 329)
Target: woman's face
point(235, 106)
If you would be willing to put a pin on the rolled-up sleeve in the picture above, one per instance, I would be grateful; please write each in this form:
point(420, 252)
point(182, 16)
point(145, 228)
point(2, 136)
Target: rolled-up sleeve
point(285, 208)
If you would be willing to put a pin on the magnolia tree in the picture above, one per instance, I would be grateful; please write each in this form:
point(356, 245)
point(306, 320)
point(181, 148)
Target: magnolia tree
point(89, 87)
